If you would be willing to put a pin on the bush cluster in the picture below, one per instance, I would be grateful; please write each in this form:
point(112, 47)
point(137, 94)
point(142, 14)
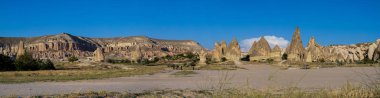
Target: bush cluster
point(6, 63)
point(181, 56)
point(73, 59)
point(24, 63)
point(284, 56)
point(126, 61)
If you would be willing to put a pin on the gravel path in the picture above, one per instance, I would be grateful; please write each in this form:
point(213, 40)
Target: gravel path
point(254, 76)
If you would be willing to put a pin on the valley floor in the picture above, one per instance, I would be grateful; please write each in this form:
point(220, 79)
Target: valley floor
point(257, 76)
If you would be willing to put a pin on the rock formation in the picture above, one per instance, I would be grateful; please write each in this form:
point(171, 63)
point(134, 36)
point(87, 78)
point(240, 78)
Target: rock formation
point(276, 49)
point(64, 45)
point(217, 52)
point(296, 51)
point(233, 51)
point(377, 51)
point(276, 53)
point(260, 50)
point(223, 47)
point(136, 55)
point(202, 58)
point(348, 53)
point(313, 51)
point(21, 49)
point(252, 50)
point(98, 55)
point(371, 51)
point(61, 46)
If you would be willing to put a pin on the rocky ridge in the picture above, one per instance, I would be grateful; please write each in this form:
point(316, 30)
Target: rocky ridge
point(64, 45)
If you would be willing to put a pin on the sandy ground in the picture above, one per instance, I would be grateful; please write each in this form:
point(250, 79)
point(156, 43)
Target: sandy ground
point(254, 76)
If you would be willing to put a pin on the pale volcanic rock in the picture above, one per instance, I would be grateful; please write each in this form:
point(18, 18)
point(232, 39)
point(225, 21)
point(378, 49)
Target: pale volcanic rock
point(98, 55)
point(313, 51)
point(136, 54)
point(276, 53)
point(359, 53)
point(202, 58)
point(121, 47)
point(64, 45)
point(260, 50)
point(217, 52)
point(276, 49)
point(252, 49)
point(377, 51)
point(224, 47)
point(233, 52)
point(42, 47)
point(21, 49)
point(296, 51)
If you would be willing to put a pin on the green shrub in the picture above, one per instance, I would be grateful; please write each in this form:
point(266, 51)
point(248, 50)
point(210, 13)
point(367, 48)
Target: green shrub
point(245, 58)
point(339, 63)
point(322, 60)
point(224, 59)
point(155, 59)
point(180, 56)
point(73, 59)
point(270, 61)
point(143, 61)
point(123, 61)
point(6, 63)
point(26, 62)
point(366, 60)
point(46, 65)
point(284, 56)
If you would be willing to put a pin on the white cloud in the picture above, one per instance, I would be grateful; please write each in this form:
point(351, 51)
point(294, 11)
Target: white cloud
point(272, 40)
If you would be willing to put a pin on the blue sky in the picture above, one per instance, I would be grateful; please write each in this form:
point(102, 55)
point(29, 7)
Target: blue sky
point(205, 21)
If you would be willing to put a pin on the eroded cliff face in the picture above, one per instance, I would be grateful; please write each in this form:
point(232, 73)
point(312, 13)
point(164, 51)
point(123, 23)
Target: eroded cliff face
point(124, 47)
point(333, 53)
point(342, 53)
point(64, 45)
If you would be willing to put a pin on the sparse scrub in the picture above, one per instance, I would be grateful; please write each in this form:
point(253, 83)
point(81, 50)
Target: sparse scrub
point(69, 75)
point(224, 59)
point(142, 61)
point(348, 91)
point(188, 56)
point(220, 67)
point(73, 59)
point(184, 73)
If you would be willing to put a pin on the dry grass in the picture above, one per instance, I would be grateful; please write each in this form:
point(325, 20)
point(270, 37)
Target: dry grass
point(220, 67)
point(347, 91)
point(69, 75)
point(222, 89)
